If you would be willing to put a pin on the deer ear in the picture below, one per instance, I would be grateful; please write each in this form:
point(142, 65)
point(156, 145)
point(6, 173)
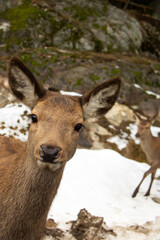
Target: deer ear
point(97, 102)
point(23, 84)
point(136, 116)
point(153, 118)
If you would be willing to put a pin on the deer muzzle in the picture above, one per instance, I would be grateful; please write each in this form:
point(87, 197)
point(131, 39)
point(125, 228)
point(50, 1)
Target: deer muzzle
point(49, 153)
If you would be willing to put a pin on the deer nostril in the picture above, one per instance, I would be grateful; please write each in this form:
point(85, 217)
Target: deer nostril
point(49, 153)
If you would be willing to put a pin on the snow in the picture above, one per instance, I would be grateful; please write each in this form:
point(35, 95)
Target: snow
point(120, 142)
point(147, 91)
point(137, 86)
point(152, 93)
point(70, 93)
point(14, 121)
point(4, 26)
point(102, 181)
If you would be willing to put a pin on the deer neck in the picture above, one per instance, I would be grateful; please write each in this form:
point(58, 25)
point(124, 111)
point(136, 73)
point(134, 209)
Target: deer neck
point(31, 193)
point(147, 140)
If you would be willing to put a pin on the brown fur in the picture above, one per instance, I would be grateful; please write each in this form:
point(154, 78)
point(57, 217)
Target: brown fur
point(28, 184)
point(151, 147)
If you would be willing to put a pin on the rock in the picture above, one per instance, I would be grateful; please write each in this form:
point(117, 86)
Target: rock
point(99, 129)
point(106, 25)
point(80, 73)
point(151, 39)
point(5, 96)
point(88, 227)
point(156, 199)
point(118, 114)
point(50, 224)
point(9, 4)
point(52, 230)
point(95, 26)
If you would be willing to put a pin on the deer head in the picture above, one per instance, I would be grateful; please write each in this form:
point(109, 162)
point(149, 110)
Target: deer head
point(57, 119)
point(144, 123)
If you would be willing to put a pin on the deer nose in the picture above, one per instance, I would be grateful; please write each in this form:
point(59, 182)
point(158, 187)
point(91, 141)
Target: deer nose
point(137, 135)
point(49, 153)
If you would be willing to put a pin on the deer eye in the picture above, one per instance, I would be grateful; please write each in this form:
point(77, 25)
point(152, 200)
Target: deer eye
point(33, 118)
point(78, 127)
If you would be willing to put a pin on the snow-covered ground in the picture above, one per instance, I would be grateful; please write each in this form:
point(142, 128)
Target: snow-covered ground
point(102, 181)
point(14, 121)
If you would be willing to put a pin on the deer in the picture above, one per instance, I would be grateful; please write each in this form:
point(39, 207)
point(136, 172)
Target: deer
point(30, 172)
point(150, 146)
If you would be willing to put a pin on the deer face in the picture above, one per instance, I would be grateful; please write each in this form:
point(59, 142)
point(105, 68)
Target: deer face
point(57, 119)
point(143, 125)
point(54, 131)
